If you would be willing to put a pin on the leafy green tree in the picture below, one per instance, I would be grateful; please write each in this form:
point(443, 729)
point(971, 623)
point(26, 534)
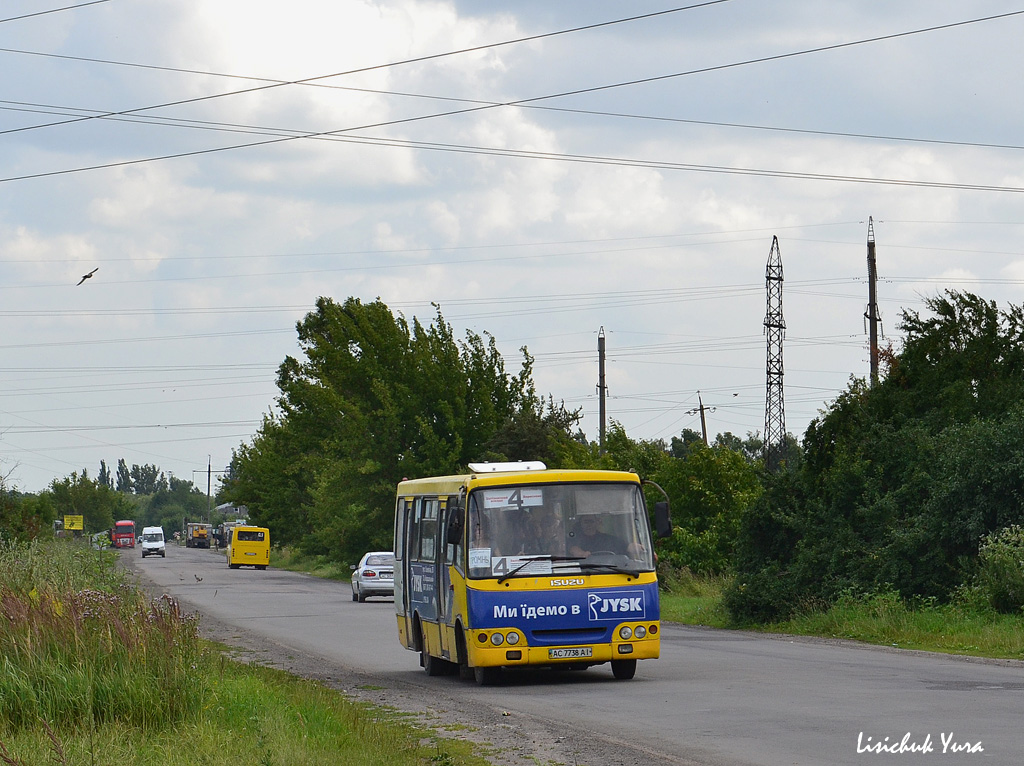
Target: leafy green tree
point(375, 399)
point(548, 432)
point(899, 481)
point(709, 490)
point(169, 507)
point(124, 477)
point(681, 445)
point(23, 517)
point(645, 458)
point(79, 495)
point(147, 479)
point(274, 477)
point(104, 476)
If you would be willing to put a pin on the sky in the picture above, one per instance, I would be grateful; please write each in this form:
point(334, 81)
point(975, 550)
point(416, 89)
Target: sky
point(541, 171)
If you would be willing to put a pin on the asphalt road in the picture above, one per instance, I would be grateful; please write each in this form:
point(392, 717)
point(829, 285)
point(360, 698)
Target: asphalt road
point(715, 698)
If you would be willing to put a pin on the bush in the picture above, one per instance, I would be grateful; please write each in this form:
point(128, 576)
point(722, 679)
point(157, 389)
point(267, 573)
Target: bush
point(763, 596)
point(1000, 574)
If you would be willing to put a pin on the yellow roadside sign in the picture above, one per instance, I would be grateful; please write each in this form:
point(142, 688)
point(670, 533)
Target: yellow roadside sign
point(74, 523)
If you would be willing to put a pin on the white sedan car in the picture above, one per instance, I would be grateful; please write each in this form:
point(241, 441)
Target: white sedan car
point(374, 575)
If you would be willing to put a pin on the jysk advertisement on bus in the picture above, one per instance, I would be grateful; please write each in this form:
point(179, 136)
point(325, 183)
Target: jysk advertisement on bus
point(565, 606)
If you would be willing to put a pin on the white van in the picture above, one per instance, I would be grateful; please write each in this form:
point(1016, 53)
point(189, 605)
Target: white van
point(153, 542)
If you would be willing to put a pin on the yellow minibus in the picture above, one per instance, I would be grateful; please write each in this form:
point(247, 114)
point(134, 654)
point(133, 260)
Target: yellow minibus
point(249, 546)
point(513, 565)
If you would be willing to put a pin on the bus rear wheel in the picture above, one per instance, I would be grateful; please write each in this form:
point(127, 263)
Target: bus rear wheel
point(623, 670)
point(434, 666)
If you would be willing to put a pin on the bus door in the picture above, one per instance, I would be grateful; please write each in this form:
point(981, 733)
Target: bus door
point(403, 552)
point(444, 578)
point(448, 556)
point(421, 586)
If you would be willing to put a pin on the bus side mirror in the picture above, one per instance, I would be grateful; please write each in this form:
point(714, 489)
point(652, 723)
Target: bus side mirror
point(662, 519)
point(454, 536)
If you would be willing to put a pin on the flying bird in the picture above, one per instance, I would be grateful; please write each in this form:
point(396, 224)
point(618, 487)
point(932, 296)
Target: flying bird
point(198, 578)
point(86, 276)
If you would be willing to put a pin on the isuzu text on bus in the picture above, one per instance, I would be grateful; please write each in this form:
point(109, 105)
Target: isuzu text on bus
point(514, 565)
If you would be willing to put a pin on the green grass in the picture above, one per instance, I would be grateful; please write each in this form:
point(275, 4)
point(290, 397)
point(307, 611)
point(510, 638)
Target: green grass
point(965, 627)
point(693, 600)
point(318, 566)
point(887, 620)
point(92, 673)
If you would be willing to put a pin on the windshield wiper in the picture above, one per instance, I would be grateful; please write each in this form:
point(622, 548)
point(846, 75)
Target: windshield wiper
point(530, 560)
point(611, 568)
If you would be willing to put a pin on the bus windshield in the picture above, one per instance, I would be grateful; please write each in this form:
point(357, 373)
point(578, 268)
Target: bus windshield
point(538, 529)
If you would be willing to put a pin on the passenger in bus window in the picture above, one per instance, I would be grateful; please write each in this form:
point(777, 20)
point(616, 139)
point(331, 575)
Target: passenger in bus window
point(544, 533)
point(511, 530)
point(478, 533)
point(589, 538)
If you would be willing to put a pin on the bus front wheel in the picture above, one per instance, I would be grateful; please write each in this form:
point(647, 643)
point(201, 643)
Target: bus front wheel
point(623, 670)
point(486, 676)
point(462, 656)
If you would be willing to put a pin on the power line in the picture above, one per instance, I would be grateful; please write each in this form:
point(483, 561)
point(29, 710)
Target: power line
point(526, 154)
point(415, 60)
point(334, 134)
point(52, 10)
point(212, 125)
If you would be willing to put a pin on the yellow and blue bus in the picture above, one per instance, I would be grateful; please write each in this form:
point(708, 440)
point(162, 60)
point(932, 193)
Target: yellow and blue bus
point(513, 565)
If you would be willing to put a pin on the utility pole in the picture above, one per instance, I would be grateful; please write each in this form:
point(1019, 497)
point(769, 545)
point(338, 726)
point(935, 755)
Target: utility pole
point(602, 388)
point(209, 484)
point(703, 421)
point(872, 312)
point(775, 331)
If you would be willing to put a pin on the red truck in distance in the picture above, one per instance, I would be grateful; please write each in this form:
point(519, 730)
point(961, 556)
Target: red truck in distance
point(123, 534)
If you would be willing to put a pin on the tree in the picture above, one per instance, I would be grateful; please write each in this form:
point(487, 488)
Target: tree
point(78, 495)
point(709, 490)
point(682, 444)
point(104, 476)
point(375, 399)
point(124, 477)
point(147, 479)
point(171, 505)
point(545, 432)
point(23, 517)
point(899, 481)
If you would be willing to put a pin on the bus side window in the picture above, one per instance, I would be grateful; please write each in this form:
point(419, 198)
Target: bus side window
point(401, 515)
point(452, 551)
point(414, 528)
point(428, 530)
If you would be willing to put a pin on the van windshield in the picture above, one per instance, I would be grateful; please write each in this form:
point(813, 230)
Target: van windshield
point(152, 537)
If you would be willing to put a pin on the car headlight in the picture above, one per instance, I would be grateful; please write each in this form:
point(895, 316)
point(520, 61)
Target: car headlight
point(625, 633)
point(497, 639)
point(640, 631)
point(512, 638)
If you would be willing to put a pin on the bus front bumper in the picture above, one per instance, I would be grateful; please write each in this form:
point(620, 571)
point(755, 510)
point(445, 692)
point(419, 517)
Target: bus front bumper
point(483, 653)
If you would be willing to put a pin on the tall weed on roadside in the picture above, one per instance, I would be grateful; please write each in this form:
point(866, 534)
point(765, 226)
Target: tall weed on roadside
point(79, 645)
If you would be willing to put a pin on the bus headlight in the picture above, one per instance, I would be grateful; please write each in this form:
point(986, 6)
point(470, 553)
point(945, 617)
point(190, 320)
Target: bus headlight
point(497, 639)
point(640, 631)
point(512, 638)
point(625, 633)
